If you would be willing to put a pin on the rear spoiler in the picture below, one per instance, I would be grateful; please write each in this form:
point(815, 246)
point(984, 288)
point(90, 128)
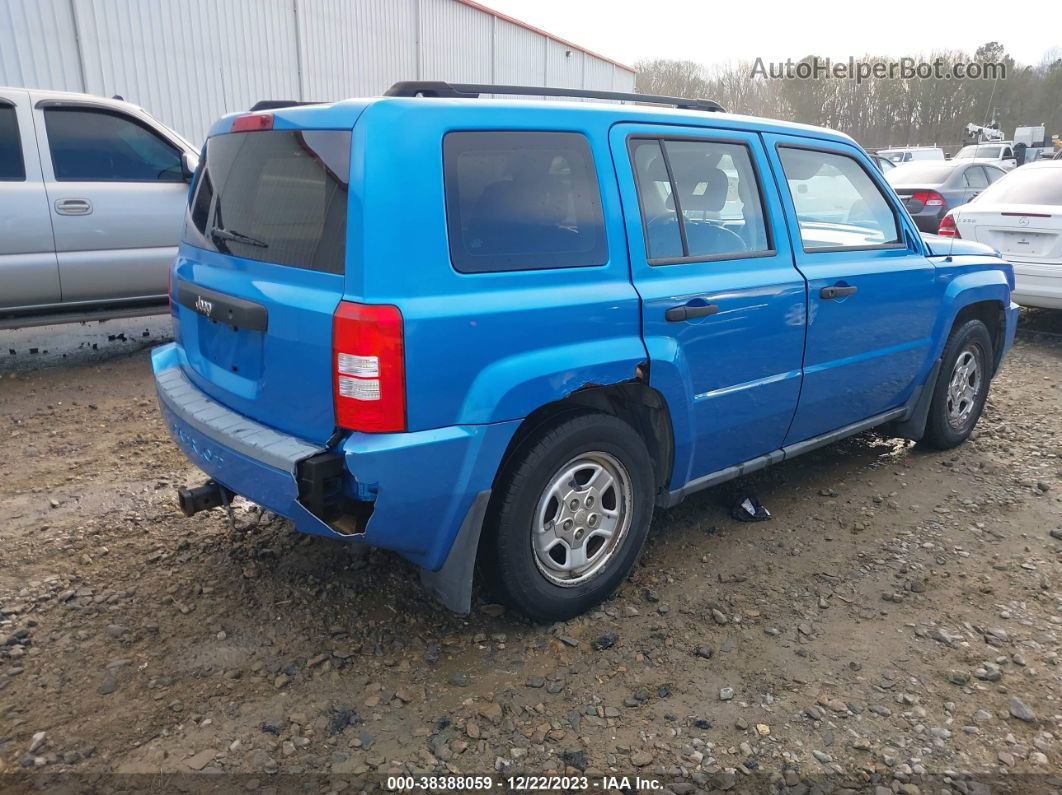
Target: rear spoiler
point(275, 104)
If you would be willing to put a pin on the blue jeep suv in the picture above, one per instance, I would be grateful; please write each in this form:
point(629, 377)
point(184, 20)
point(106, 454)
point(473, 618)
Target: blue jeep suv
point(494, 334)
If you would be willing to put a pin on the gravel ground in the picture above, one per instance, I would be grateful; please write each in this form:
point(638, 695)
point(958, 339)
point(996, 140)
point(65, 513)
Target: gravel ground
point(894, 628)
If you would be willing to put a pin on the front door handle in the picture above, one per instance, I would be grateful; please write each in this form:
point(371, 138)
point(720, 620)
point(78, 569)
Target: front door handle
point(677, 314)
point(73, 206)
point(836, 291)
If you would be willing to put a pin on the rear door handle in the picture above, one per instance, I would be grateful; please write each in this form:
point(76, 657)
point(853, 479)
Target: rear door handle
point(73, 206)
point(677, 314)
point(836, 291)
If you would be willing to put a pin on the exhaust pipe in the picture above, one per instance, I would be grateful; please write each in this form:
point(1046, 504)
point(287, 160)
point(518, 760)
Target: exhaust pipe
point(202, 498)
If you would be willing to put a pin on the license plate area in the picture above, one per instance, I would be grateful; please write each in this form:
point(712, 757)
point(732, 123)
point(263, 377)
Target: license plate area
point(1031, 244)
point(235, 350)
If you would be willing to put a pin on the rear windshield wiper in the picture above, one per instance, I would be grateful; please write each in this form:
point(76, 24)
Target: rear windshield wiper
point(218, 233)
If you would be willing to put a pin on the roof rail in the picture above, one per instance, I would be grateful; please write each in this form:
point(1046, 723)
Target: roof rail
point(431, 88)
point(276, 104)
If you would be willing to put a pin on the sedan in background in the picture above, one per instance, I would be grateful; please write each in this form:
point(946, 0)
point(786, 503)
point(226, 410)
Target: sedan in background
point(928, 189)
point(883, 163)
point(1021, 217)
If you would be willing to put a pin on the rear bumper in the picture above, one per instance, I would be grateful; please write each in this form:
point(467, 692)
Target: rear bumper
point(1038, 285)
point(421, 485)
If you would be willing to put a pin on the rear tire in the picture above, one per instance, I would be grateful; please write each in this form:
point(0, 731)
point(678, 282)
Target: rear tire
point(568, 517)
point(961, 388)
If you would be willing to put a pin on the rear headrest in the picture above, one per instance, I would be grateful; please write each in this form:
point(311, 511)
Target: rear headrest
point(701, 185)
point(508, 207)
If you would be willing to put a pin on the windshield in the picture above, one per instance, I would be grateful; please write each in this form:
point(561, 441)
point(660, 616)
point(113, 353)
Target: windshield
point(1026, 185)
point(915, 174)
point(277, 196)
point(978, 151)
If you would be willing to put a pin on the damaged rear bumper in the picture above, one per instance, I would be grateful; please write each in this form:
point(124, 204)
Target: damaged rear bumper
point(414, 493)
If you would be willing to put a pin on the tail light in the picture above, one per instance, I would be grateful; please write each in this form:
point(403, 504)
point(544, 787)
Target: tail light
point(929, 198)
point(253, 122)
point(369, 369)
point(948, 227)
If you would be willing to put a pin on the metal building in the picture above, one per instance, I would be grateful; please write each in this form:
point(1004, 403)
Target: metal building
point(190, 61)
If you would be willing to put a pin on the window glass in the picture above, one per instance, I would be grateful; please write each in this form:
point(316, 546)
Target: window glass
point(12, 167)
point(994, 173)
point(975, 177)
point(718, 211)
point(919, 173)
point(522, 201)
point(837, 203)
point(90, 145)
point(1026, 185)
point(276, 196)
point(990, 152)
point(663, 239)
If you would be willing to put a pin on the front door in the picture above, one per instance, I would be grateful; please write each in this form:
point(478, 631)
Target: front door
point(872, 294)
point(117, 197)
point(723, 306)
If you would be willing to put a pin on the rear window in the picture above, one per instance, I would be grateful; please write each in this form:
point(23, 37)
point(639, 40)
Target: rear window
point(522, 201)
point(1027, 185)
point(276, 196)
point(916, 173)
point(11, 166)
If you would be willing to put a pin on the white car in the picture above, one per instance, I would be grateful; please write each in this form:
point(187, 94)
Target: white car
point(1021, 217)
point(999, 154)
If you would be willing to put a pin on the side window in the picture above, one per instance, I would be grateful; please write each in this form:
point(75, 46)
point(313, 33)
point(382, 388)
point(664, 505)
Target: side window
point(699, 199)
point(975, 177)
point(994, 174)
point(838, 205)
point(89, 145)
point(1007, 153)
point(522, 201)
point(12, 167)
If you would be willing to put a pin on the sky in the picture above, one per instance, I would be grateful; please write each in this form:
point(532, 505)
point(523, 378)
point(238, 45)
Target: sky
point(721, 31)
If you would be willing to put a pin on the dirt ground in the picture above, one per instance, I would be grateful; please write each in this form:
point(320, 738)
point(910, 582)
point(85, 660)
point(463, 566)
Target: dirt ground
point(894, 628)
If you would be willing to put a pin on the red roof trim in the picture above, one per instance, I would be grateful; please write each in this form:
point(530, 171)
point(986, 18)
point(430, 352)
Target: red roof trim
point(547, 34)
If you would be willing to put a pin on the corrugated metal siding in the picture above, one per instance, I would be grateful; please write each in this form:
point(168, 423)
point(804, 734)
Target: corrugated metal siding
point(38, 45)
point(190, 62)
point(356, 48)
point(456, 42)
point(519, 55)
point(622, 79)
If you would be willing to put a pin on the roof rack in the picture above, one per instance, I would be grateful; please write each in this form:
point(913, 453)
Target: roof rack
point(430, 88)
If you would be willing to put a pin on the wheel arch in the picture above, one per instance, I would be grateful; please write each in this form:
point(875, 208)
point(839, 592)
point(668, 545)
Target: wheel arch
point(635, 402)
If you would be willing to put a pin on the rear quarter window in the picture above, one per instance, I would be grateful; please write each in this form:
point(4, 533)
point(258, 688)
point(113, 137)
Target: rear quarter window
point(522, 201)
point(12, 168)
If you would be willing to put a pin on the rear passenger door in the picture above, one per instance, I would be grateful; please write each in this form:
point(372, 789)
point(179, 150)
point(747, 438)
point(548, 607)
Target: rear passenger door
point(29, 274)
point(117, 196)
point(723, 306)
point(872, 294)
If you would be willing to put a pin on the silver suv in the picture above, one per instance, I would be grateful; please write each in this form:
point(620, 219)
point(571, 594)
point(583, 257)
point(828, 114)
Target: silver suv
point(92, 195)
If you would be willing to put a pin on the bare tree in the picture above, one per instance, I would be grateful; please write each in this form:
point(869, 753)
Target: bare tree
point(879, 112)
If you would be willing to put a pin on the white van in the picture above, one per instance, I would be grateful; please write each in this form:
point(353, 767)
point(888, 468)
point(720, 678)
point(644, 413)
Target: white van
point(905, 154)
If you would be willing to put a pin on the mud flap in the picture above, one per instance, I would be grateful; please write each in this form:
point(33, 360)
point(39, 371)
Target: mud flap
point(913, 426)
point(452, 583)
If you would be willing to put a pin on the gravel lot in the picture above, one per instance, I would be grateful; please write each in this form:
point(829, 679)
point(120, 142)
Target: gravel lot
point(895, 628)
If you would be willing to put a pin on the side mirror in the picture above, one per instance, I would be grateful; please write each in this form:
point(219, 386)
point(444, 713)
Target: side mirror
point(189, 163)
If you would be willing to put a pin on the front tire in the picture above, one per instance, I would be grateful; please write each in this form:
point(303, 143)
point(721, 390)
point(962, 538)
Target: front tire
point(962, 387)
point(569, 516)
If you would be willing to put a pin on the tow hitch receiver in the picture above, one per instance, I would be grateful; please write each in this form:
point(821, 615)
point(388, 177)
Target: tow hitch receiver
point(202, 498)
